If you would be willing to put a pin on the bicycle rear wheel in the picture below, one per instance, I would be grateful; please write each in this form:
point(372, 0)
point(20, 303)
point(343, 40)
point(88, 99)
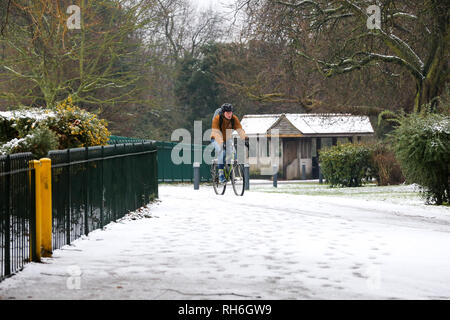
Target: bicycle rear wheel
point(237, 179)
point(219, 188)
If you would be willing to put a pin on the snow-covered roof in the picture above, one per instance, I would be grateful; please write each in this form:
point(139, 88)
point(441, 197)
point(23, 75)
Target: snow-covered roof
point(258, 123)
point(330, 123)
point(309, 124)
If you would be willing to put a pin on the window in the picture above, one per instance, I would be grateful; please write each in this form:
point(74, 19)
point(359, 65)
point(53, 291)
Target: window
point(264, 147)
point(305, 148)
point(253, 147)
point(313, 148)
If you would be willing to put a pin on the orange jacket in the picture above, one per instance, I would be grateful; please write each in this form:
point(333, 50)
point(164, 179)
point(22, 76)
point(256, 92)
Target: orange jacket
point(226, 130)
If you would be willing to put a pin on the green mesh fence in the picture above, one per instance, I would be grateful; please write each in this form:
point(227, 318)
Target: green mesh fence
point(184, 172)
point(168, 171)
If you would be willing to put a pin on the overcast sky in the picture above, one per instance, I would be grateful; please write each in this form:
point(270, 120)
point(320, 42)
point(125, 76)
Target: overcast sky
point(216, 4)
point(225, 7)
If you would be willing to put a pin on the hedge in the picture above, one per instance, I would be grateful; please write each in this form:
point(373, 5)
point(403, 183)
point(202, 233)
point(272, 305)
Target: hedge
point(346, 165)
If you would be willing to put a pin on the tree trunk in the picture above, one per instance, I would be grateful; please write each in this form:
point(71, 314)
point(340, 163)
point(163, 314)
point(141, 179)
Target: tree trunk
point(436, 67)
point(434, 82)
point(49, 95)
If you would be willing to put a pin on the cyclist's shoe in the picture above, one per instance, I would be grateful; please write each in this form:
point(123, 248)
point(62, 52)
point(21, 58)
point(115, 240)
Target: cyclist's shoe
point(221, 176)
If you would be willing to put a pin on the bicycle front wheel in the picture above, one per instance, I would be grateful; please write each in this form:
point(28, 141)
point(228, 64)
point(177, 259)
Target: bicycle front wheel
point(237, 179)
point(219, 188)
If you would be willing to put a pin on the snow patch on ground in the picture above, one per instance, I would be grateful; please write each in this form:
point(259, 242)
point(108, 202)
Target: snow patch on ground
point(197, 245)
point(397, 194)
point(141, 213)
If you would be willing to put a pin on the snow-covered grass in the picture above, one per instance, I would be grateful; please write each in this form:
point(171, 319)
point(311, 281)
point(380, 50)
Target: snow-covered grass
point(399, 194)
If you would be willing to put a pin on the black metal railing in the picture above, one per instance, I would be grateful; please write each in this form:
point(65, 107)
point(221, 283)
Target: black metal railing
point(17, 212)
point(90, 188)
point(94, 186)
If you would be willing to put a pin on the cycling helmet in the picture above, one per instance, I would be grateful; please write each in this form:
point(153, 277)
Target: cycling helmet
point(226, 107)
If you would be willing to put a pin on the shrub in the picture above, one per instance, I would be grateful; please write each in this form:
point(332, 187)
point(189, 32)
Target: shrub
point(35, 130)
point(346, 165)
point(77, 128)
point(387, 170)
point(18, 123)
point(39, 141)
point(422, 146)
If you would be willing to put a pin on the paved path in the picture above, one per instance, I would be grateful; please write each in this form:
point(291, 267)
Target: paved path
point(261, 246)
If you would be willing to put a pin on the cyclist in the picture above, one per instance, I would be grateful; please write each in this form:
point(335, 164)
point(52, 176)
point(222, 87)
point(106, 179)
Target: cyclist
point(222, 126)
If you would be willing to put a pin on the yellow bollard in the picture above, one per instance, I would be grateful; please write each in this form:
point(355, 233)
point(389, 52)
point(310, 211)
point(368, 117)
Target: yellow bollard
point(46, 207)
point(43, 181)
point(37, 181)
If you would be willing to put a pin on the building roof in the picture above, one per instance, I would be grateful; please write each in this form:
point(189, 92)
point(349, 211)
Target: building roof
point(330, 123)
point(258, 123)
point(309, 124)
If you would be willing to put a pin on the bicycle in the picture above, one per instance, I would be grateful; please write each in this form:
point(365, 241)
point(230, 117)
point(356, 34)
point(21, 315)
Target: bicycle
point(233, 172)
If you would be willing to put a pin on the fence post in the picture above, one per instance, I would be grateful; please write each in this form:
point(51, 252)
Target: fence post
point(32, 204)
point(196, 175)
point(171, 167)
point(69, 191)
point(102, 205)
point(132, 164)
point(46, 209)
point(159, 156)
point(155, 168)
point(320, 175)
point(43, 196)
point(86, 181)
point(8, 217)
point(275, 175)
point(247, 176)
point(37, 178)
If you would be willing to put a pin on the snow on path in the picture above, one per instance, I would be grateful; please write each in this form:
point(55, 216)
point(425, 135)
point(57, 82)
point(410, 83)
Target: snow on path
point(261, 246)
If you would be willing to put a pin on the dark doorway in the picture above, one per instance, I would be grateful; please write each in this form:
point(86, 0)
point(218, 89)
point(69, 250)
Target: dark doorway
point(315, 160)
point(290, 153)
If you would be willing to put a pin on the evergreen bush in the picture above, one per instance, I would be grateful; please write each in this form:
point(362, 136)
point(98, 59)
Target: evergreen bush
point(422, 146)
point(38, 141)
point(346, 165)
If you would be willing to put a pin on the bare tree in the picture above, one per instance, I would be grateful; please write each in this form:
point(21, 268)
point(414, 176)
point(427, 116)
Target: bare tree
point(4, 15)
point(184, 28)
point(51, 61)
point(412, 35)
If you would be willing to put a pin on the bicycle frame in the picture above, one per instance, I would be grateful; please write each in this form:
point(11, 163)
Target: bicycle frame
point(227, 171)
point(230, 165)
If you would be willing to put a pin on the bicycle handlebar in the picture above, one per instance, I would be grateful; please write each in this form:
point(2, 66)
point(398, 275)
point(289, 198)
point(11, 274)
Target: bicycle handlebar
point(224, 145)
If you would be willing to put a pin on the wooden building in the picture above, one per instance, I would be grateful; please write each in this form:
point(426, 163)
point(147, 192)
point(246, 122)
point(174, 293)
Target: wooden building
point(300, 137)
